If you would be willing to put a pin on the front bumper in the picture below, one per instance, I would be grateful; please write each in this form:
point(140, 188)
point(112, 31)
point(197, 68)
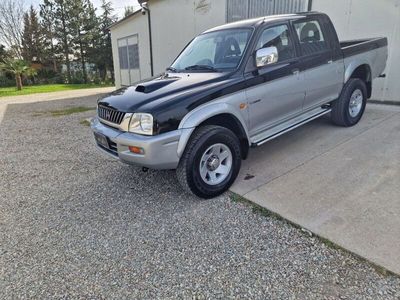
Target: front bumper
point(160, 151)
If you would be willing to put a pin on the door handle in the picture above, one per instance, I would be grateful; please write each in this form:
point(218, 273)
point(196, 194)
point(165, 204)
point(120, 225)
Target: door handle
point(330, 61)
point(296, 71)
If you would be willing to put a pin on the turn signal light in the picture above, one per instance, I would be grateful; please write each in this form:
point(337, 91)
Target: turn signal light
point(136, 150)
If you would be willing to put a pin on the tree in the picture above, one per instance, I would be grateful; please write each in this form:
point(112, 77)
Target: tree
point(84, 29)
point(102, 55)
point(62, 11)
point(3, 53)
point(11, 18)
point(48, 33)
point(129, 10)
point(32, 41)
point(18, 68)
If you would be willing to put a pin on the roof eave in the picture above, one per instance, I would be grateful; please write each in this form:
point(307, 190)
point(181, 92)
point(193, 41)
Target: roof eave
point(123, 19)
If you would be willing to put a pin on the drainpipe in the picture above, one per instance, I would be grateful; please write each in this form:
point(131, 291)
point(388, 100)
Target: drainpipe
point(145, 9)
point(309, 5)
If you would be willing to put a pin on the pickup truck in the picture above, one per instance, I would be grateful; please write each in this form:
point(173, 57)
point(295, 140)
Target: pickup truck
point(234, 87)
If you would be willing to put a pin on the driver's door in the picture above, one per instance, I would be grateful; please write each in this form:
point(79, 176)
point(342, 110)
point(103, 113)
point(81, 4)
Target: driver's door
point(275, 92)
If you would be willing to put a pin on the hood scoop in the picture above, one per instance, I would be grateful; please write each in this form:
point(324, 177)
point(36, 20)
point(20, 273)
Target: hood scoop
point(151, 86)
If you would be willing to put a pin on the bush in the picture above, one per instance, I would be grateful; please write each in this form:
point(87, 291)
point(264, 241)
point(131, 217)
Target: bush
point(58, 78)
point(77, 78)
point(6, 81)
point(96, 79)
point(49, 76)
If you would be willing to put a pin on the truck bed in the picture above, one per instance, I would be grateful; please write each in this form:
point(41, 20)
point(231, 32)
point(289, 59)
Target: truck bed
point(353, 47)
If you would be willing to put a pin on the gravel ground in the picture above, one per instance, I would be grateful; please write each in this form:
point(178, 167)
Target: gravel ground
point(75, 224)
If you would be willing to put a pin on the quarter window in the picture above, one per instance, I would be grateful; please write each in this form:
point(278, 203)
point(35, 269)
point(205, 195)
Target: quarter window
point(278, 37)
point(311, 37)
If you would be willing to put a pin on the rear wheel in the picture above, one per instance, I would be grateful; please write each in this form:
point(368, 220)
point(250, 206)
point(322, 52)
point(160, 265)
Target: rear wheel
point(211, 161)
point(349, 108)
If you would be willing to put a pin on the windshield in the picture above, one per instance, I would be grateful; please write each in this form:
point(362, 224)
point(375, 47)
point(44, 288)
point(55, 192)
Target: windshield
point(215, 51)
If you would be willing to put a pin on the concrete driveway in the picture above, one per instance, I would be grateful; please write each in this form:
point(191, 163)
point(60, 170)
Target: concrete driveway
point(340, 183)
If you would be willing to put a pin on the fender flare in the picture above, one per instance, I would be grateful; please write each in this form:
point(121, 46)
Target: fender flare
point(353, 66)
point(201, 114)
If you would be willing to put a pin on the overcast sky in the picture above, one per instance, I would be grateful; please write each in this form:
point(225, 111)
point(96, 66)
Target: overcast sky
point(118, 5)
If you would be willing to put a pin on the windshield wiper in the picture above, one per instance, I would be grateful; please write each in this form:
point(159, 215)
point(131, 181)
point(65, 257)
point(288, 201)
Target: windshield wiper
point(201, 67)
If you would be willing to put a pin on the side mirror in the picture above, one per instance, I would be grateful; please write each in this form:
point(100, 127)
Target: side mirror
point(266, 56)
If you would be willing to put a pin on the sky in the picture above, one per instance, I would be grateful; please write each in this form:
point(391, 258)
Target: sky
point(119, 5)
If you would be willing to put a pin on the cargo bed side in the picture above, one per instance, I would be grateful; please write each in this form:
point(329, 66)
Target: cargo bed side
point(370, 54)
point(354, 47)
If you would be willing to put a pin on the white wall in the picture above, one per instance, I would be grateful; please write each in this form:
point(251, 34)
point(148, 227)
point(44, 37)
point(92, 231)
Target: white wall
point(370, 18)
point(176, 22)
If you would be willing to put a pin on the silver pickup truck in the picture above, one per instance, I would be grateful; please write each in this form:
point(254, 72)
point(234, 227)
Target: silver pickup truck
point(235, 87)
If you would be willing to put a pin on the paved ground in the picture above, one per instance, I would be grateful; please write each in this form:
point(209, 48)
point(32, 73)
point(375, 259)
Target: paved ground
point(341, 183)
point(74, 224)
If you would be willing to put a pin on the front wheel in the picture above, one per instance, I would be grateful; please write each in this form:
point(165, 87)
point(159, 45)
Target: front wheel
point(211, 161)
point(349, 108)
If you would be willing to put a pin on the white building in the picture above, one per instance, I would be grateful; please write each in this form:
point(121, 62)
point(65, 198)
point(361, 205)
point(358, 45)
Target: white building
point(174, 23)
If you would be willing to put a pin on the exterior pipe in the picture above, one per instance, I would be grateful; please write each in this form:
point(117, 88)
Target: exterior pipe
point(309, 5)
point(145, 9)
point(151, 43)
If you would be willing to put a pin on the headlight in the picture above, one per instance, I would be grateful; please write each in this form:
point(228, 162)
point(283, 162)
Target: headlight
point(141, 123)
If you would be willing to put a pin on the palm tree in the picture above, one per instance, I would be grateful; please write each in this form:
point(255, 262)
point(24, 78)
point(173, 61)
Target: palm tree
point(18, 68)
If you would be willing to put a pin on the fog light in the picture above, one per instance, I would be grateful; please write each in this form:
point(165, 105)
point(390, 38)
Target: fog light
point(136, 150)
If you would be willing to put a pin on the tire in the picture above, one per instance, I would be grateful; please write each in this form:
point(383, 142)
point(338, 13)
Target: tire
point(342, 114)
point(204, 142)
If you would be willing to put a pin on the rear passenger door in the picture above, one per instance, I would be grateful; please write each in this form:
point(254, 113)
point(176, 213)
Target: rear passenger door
point(323, 75)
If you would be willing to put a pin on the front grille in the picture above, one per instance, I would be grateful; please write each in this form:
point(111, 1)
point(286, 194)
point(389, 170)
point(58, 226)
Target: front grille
point(110, 115)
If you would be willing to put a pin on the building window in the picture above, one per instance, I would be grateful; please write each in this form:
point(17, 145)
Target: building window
point(133, 56)
point(128, 53)
point(246, 9)
point(123, 57)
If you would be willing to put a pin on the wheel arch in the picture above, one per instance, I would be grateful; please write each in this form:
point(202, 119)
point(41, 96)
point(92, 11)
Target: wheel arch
point(361, 70)
point(220, 114)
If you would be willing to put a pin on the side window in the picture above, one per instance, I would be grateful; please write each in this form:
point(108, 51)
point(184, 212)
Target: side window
point(278, 37)
point(311, 37)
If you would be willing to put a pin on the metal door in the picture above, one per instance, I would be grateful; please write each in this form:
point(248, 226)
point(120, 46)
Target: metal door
point(246, 9)
point(128, 54)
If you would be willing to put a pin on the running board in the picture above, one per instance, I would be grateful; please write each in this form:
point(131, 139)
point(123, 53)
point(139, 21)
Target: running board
point(288, 126)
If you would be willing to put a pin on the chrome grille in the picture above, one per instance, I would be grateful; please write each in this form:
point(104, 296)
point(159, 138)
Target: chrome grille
point(110, 115)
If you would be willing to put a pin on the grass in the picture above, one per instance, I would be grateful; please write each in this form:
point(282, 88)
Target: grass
point(46, 88)
point(64, 112)
point(70, 111)
point(85, 122)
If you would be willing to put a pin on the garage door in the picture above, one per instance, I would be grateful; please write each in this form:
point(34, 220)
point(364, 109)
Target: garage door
point(128, 53)
point(245, 9)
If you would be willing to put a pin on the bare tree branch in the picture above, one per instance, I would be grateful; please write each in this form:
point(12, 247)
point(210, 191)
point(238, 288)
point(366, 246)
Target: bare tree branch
point(11, 17)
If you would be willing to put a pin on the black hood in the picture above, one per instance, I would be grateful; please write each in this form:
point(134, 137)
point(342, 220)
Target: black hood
point(171, 96)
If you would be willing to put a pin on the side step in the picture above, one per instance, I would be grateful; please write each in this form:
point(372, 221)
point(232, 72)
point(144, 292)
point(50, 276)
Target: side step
point(280, 129)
